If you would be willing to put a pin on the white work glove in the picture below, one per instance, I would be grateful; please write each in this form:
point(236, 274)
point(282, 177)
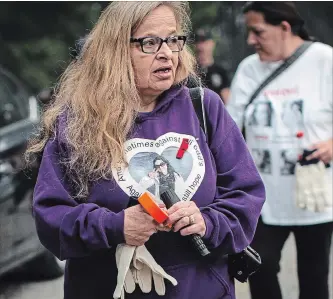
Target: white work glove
point(146, 269)
point(125, 279)
point(313, 191)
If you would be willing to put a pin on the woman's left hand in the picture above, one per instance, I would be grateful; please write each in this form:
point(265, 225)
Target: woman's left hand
point(323, 151)
point(186, 217)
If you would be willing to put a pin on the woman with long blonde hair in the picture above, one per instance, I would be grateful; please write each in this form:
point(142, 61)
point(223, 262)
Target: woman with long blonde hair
point(120, 105)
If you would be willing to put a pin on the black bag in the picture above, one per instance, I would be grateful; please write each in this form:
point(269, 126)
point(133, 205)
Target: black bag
point(240, 265)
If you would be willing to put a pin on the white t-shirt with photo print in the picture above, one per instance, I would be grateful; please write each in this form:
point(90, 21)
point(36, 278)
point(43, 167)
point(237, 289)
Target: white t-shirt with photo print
point(298, 100)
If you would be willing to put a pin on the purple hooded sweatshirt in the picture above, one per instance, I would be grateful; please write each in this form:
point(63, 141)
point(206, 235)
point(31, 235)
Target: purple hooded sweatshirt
point(221, 178)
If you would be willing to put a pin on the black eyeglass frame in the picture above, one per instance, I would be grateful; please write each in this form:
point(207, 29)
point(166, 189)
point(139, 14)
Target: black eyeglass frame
point(141, 39)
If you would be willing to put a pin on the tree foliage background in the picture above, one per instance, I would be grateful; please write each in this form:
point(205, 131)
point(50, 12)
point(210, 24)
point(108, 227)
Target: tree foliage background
point(37, 37)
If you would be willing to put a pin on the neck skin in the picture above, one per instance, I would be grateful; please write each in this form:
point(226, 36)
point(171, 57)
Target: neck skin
point(291, 46)
point(148, 103)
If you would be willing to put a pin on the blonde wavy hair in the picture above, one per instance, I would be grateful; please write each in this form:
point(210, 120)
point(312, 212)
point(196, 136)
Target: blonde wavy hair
point(98, 94)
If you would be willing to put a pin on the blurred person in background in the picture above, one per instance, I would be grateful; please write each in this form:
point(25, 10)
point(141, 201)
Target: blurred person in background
point(276, 31)
point(215, 77)
point(122, 102)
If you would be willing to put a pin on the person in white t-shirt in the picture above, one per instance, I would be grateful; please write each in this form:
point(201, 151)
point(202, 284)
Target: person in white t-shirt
point(300, 118)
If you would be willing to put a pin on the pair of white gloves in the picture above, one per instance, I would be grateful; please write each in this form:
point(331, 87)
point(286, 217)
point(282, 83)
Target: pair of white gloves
point(313, 189)
point(136, 265)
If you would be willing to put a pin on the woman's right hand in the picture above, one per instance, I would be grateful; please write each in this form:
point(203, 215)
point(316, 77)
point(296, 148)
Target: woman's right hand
point(138, 226)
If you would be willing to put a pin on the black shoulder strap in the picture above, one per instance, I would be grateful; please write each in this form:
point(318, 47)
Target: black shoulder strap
point(197, 96)
point(288, 62)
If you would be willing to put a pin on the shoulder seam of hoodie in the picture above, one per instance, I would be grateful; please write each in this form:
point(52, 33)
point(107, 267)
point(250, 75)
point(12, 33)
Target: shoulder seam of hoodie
point(226, 136)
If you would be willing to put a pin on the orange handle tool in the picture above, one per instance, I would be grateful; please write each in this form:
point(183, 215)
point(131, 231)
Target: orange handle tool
point(152, 208)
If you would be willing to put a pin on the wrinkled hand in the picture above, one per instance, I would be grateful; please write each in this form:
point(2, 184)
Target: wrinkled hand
point(138, 226)
point(323, 152)
point(186, 217)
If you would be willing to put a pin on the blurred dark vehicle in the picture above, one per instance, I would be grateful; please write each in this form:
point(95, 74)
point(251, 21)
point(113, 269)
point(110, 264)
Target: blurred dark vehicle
point(20, 248)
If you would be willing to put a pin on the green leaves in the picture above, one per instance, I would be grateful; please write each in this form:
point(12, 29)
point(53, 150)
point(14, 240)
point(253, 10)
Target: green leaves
point(35, 44)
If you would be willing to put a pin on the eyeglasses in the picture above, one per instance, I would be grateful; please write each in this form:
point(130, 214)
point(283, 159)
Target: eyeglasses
point(160, 165)
point(152, 44)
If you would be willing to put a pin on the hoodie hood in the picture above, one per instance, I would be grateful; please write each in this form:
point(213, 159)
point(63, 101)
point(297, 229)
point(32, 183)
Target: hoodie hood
point(163, 104)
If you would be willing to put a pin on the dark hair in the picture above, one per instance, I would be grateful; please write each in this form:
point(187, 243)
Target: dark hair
point(253, 119)
point(202, 35)
point(276, 12)
point(166, 161)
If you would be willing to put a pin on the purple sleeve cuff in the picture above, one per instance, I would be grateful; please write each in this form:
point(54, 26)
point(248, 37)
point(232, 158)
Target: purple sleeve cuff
point(209, 226)
point(114, 227)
